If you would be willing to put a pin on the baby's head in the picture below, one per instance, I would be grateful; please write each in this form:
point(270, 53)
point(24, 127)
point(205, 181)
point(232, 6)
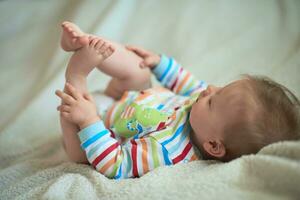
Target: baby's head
point(243, 117)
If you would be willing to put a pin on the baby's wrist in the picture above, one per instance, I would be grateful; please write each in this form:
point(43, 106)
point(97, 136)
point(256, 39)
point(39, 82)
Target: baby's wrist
point(88, 122)
point(157, 61)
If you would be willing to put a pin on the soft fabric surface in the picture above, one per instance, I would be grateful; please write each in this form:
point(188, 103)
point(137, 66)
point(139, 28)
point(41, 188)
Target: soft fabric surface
point(216, 40)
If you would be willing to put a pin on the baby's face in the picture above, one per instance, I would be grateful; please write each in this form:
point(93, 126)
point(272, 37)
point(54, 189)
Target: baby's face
point(212, 110)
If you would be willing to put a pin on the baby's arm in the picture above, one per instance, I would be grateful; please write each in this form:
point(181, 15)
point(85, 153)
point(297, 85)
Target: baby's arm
point(101, 148)
point(169, 72)
point(132, 159)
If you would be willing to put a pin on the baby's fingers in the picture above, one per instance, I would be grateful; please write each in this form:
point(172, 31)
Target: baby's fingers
point(65, 97)
point(139, 51)
point(88, 97)
point(65, 115)
point(64, 108)
point(148, 62)
point(73, 91)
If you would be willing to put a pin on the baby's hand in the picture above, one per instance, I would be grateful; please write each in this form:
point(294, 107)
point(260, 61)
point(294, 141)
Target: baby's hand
point(79, 109)
point(149, 59)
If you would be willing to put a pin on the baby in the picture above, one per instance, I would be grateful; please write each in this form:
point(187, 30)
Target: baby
point(147, 127)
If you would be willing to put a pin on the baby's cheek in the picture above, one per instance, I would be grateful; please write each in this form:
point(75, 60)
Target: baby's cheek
point(193, 114)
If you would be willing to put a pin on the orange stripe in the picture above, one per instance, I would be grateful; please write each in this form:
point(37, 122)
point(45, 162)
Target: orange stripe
point(108, 115)
point(161, 89)
point(125, 113)
point(144, 156)
point(131, 111)
point(183, 82)
point(123, 98)
point(194, 157)
point(109, 164)
point(173, 116)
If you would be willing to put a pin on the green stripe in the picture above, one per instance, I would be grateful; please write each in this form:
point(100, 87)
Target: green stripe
point(184, 89)
point(154, 152)
point(164, 133)
point(116, 166)
point(169, 132)
point(179, 120)
point(119, 109)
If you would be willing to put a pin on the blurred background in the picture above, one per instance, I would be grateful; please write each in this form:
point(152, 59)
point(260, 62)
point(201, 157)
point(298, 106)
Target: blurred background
point(216, 40)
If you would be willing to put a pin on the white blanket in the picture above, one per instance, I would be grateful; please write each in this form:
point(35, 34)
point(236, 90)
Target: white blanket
point(215, 40)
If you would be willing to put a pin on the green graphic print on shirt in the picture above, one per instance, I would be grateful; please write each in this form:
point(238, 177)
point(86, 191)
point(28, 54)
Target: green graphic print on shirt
point(143, 117)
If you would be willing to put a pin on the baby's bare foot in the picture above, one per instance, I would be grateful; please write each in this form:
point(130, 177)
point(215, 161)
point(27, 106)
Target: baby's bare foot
point(72, 37)
point(84, 60)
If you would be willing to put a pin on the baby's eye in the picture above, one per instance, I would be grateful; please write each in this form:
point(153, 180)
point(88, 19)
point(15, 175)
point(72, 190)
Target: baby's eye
point(209, 102)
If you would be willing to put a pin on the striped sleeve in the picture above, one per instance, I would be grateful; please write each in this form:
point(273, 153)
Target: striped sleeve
point(131, 159)
point(176, 78)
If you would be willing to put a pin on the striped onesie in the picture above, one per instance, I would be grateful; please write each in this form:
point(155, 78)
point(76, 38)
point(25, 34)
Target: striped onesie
point(145, 129)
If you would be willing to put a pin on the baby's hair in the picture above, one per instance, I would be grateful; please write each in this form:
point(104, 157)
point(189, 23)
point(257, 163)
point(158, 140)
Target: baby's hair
point(272, 115)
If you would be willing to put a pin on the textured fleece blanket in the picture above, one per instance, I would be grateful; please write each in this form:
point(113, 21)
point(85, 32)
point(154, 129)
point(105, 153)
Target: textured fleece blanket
point(215, 40)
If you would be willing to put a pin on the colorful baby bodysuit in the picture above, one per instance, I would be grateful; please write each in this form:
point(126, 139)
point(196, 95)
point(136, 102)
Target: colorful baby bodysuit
point(146, 129)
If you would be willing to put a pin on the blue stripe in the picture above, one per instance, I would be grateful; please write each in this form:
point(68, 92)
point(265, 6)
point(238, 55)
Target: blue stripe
point(200, 85)
point(190, 91)
point(186, 84)
point(177, 146)
point(93, 139)
point(91, 130)
point(187, 93)
point(126, 155)
point(167, 70)
point(166, 156)
point(178, 131)
point(118, 176)
point(136, 136)
point(172, 71)
point(160, 106)
point(90, 153)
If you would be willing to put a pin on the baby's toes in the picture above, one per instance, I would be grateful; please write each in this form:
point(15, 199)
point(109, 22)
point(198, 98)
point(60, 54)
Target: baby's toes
point(91, 37)
point(90, 40)
point(103, 48)
point(108, 52)
point(74, 34)
point(93, 42)
point(65, 24)
point(99, 44)
point(69, 28)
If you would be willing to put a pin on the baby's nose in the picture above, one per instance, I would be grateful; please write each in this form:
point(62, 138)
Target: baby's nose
point(206, 92)
point(212, 88)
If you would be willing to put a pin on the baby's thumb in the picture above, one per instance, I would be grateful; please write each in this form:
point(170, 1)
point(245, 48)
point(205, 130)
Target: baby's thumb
point(87, 96)
point(142, 64)
point(148, 62)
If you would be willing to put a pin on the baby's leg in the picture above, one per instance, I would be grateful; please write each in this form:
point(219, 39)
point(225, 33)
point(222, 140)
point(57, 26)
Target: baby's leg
point(82, 62)
point(122, 65)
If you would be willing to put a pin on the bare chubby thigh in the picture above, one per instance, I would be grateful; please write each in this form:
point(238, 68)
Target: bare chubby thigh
point(116, 87)
point(123, 67)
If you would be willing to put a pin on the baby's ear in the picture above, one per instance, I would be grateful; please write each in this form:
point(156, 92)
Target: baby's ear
point(215, 148)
